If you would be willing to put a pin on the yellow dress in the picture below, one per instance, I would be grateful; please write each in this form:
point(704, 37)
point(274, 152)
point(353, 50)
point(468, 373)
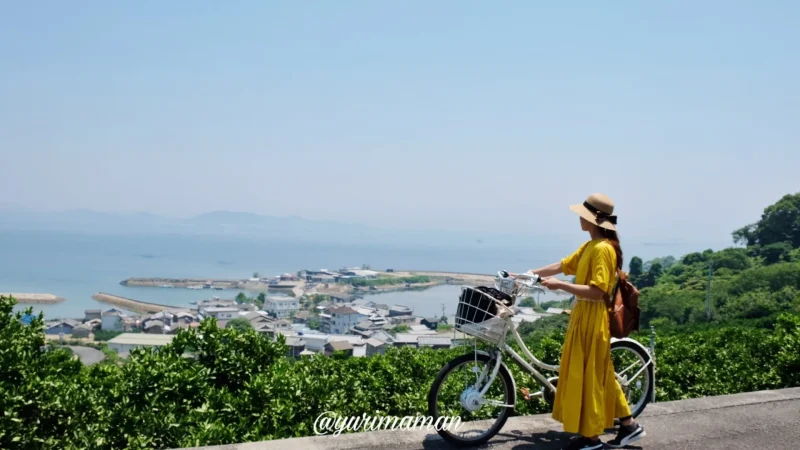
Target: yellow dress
point(588, 397)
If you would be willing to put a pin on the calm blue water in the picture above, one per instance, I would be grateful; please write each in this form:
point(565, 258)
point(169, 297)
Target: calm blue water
point(75, 266)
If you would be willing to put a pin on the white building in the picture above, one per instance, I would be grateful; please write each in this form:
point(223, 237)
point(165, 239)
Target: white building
point(126, 342)
point(112, 321)
point(343, 318)
point(281, 307)
point(220, 312)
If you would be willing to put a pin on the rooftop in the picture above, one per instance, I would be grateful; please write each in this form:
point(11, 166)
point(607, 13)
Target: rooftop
point(220, 309)
point(434, 340)
point(142, 339)
point(343, 310)
point(340, 345)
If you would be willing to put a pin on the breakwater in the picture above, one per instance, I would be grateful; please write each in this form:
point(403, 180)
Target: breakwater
point(33, 298)
point(131, 304)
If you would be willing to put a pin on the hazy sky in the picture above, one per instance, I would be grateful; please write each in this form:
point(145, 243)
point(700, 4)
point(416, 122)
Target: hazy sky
point(447, 114)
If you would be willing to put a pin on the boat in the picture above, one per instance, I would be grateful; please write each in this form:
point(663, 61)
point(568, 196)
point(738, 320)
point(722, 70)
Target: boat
point(217, 288)
point(193, 302)
point(165, 286)
point(195, 287)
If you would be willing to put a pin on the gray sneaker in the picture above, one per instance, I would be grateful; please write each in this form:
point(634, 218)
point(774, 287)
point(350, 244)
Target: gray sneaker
point(626, 435)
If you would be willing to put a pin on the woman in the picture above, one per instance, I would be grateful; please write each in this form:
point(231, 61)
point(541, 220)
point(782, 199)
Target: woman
point(588, 397)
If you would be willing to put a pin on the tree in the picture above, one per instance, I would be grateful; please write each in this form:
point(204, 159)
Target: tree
point(776, 252)
point(241, 298)
point(635, 268)
point(402, 328)
point(255, 275)
point(652, 276)
point(780, 222)
point(240, 324)
point(261, 299)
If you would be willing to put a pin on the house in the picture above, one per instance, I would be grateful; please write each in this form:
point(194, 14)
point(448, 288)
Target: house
point(82, 330)
point(91, 314)
point(420, 329)
point(155, 327)
point(399, 310)
point(435, 342)
point(184, 317)
point(166, 317)
point(182, 326)
point(220, 312)
point(302, 317)
point(364, 327)
point(275, 327)
point(432, 322)
point(375, 347)
point(112, 320)
point(126, 342)
point(360, 350)
point(296, 346)
point(406, 340)
point(382, 336)
point(321, 276)
point(359, 273)
point(282, 306)
point(338, 346)
point(61, 326)
point(343, 318)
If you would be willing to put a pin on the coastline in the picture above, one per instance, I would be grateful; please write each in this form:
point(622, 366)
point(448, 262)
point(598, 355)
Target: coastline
point(27, 298)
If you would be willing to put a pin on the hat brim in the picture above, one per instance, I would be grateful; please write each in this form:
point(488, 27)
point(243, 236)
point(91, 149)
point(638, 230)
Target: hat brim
point(591, 218)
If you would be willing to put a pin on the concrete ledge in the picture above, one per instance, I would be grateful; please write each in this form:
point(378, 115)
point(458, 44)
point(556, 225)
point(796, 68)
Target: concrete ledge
point(516, 428)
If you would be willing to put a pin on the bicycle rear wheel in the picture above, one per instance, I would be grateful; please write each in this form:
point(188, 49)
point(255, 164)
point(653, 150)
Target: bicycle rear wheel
point(634, 365)
point(454, 392)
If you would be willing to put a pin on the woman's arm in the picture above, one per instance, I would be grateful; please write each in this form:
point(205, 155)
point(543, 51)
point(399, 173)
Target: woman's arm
point(578, 290)
point(549, 270)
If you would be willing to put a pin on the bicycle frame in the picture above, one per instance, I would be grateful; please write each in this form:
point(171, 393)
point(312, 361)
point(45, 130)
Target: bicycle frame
point(503, 347)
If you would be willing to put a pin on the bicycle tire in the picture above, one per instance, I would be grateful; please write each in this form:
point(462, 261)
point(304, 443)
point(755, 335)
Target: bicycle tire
point(510, 399)
point(649, 373)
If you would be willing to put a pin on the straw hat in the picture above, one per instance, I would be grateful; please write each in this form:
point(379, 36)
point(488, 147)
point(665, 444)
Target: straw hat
point(597, 209)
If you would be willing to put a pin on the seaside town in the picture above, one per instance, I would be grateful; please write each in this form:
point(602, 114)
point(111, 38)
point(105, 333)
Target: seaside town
point(316, 311)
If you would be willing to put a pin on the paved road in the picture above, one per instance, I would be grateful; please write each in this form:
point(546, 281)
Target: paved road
point(87, 355)
point(756, 420)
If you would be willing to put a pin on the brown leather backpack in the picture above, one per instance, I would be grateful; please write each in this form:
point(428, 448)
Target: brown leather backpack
point(623, 307)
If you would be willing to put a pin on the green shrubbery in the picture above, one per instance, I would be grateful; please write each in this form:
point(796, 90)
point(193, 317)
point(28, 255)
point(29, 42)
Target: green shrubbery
point(216, 386)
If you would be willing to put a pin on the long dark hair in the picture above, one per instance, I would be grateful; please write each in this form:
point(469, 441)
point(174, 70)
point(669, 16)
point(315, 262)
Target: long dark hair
point(613, 238)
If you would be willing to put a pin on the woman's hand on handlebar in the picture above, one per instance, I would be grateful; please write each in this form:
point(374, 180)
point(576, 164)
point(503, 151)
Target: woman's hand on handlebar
point(552, 283)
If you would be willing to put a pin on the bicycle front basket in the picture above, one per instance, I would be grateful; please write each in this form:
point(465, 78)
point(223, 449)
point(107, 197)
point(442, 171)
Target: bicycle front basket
point(482, 316)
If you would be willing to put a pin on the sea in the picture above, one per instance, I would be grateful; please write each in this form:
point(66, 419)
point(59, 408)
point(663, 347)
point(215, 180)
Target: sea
point(75, 266)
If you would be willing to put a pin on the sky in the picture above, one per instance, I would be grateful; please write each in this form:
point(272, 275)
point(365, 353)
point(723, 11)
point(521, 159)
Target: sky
point(455, 115)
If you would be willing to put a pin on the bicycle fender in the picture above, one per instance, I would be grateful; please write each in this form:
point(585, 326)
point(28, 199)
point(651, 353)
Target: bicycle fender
point(634, 342)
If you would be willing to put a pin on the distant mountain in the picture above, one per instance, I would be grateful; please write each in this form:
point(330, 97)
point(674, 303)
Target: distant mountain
point(228, 224)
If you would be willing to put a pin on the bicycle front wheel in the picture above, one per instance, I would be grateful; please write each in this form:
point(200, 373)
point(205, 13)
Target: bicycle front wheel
point(455, 393)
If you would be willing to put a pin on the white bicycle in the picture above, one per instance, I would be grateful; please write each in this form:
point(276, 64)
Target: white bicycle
point(480, 389)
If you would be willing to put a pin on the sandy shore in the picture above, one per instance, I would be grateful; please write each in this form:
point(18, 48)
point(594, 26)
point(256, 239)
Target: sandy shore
point(33, 299)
